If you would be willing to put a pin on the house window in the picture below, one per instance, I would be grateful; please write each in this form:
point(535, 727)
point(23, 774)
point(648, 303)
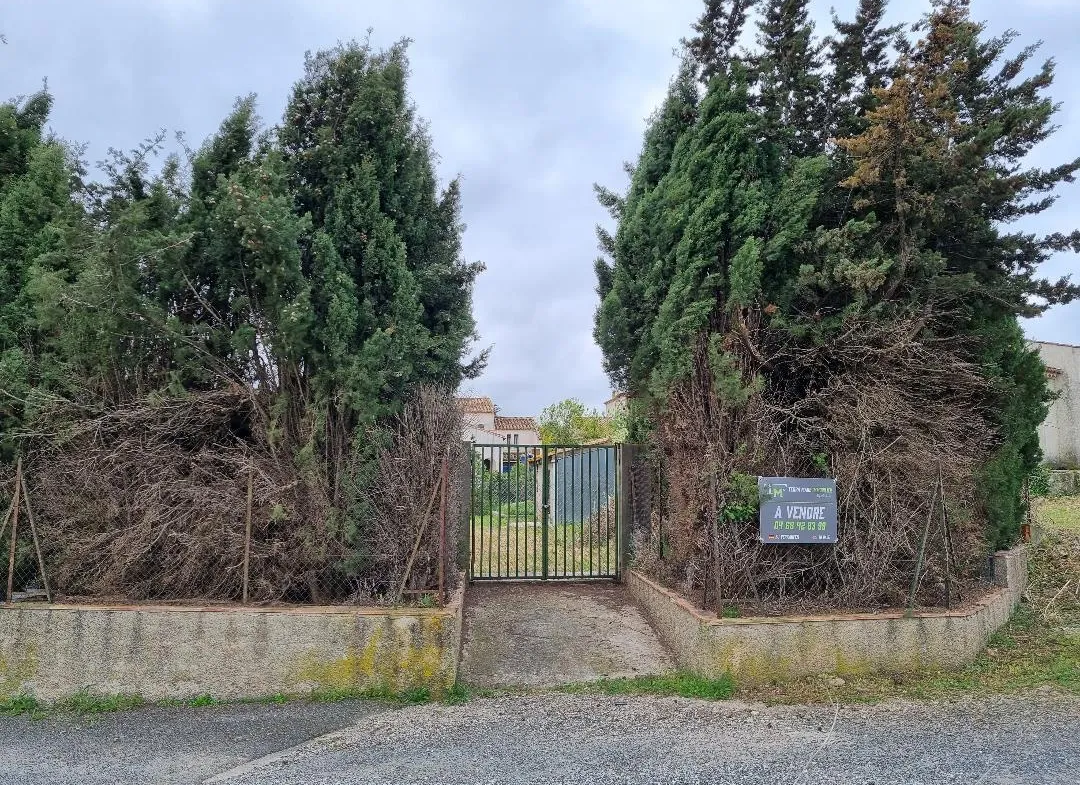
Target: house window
point(515, 438)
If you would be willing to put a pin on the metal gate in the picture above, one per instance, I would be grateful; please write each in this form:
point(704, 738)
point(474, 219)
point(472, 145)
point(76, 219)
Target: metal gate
point(544, 511)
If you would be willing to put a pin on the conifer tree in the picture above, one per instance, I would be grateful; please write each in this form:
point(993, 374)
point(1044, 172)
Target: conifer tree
point(859, 52)
point(39, 222)
point(391, 297)
point(729, 212)
point(902, 224)
point(112, 332)
point(791, 88)
point(717, 32)
point(626, 297)
point(319, 264)
point(941, 167)
point(269, 300)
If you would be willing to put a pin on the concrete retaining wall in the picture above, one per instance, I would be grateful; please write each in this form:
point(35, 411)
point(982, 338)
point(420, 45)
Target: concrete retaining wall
point(757, 650)
point(1064, 483)
point(54, 651)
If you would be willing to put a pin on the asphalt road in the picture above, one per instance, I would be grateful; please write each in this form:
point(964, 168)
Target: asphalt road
point(555, 738)
point(160, 745)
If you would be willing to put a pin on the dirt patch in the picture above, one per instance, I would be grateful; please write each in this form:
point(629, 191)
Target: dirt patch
point(530, 635)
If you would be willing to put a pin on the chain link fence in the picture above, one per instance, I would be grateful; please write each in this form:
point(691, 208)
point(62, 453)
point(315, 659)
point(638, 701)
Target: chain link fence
point(257, 555)
point(642, 509)
point(649, 531)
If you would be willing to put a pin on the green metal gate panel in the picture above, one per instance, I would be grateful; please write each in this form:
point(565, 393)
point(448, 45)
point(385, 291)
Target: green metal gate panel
point(544, 512)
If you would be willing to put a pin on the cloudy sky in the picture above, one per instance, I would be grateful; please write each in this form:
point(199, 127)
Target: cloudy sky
point(531, 102)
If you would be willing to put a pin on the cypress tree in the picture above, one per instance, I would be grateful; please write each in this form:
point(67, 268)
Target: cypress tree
point(859, 52)
point(627, 284)
point(717, 32)
point(714, 234)
point(40, 221)
point(791, 87)
point(731, 213)
point(391, 296)
point(269, 299)
point(736, 269)
point(939, 174)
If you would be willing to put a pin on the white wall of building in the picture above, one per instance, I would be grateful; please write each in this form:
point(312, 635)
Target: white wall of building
point(518, 437)
point(617, 404)
point(479, 428)
point(1059, 435)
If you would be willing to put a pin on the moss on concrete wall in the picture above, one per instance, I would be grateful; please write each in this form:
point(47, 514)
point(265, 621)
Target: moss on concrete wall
point(398, 655)
point(16, 668)
point(54, 652)
point(775, 650)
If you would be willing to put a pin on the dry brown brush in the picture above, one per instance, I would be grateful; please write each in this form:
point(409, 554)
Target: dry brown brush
point(148, 501)
point(407, 519)
point(894, 416)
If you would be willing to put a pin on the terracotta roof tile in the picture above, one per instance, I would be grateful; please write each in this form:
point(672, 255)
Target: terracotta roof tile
point(476, 405)
point(515, 424)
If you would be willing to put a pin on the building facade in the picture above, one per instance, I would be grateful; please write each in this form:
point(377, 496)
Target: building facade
point(1059, 435)
point(485, 426)
point(619, 403)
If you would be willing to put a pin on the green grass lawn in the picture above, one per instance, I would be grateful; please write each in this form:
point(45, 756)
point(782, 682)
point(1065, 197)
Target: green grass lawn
point(685, 685)
point(1062, 512)
point(514, 548)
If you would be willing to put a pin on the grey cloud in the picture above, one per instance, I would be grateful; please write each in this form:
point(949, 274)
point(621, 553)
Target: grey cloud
point(530, 102)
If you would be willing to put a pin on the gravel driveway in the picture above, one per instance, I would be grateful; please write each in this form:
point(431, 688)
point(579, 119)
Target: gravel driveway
point(556, 738)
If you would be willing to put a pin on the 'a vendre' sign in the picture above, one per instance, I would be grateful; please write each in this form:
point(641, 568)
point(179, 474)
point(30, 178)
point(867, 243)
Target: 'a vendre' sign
point(797, 510)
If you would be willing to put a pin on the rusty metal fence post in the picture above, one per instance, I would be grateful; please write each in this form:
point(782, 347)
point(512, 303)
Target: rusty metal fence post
point(14, 531)
point(443, 480)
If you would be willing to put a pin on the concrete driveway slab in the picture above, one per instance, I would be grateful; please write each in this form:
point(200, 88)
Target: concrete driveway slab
point(547, 634)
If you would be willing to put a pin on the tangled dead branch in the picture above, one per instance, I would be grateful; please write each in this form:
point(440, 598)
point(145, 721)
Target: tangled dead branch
point(393, 502)
point(148, 502)
point(893, 417)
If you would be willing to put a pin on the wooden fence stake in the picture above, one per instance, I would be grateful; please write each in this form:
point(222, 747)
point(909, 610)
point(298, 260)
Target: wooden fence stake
point(37, 545)
point(7, 517)
point(416, 545)
point(921, 554)
point(247, 534)
point(14, 532)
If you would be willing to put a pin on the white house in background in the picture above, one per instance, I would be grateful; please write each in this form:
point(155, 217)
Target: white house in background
point(484, 425)
point(619, 403)
point(1059, 435)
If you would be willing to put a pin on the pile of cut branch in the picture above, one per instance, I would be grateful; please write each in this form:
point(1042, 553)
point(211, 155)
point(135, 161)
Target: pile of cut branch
point(411, 501)
point(893, 415)
point(151, 501)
